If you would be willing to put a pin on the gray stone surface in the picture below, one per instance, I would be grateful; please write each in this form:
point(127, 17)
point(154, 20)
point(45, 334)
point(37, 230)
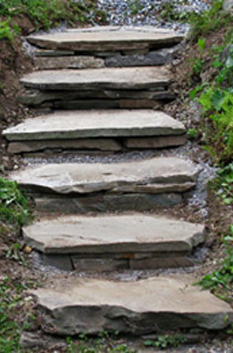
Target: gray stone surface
point(99, 265)
point(106, 202)
point(139, 78)
point(153, 58)
point(53, 53)
point(155, 142)
point(64, 145)
point(113, 234)
point(92, 306)
point(108, 39)
point(95, 124)
point(68, 62)
point(153, 176)
point(63, 262)
point(158, 263)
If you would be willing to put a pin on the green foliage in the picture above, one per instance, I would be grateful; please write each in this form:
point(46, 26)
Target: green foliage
point(192, 134)
point(104, 343)
point(224, 184)
point(198, 62)
point(135, 6)
point(11, 301)
point(14, 206)
point(167, 341)
point(216, 100)
point(5, 31)
point(45, 14)
point(209, 20)
point(221, 281)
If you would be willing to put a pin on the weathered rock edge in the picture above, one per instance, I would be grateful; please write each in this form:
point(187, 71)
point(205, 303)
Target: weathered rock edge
point(107, 39)
point(157, 304)
point(136, 78)
point(95, 124)
point(113, 234)
point(153, 176)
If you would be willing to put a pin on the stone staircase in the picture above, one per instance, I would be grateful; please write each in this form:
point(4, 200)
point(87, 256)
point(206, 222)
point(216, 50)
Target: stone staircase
point(92, 215)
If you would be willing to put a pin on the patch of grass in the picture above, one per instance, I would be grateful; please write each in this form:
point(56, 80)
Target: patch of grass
point(11, 304)
point(209, 20)
point(14, 206)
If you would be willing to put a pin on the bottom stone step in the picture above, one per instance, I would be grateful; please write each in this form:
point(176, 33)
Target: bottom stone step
point(75, 306)
point(111, 242)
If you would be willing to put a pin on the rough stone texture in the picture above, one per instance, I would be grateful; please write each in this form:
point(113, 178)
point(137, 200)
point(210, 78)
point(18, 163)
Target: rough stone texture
point(95, 124)
point(99, 265)
point(113, 234)
point(53, 53)
point(157, 263)
point(106, 203)
point(153, 176)
point(153, 58)
point(109, 39)
point(68, 62)
point(92, 306)
point(110, 98)
point(155, 142)
point(139, 78)
point(61, 262)
point(62, 145)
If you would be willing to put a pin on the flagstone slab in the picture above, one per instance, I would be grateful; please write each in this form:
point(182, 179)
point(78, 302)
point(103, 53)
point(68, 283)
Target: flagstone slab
point(113, 234)
point(152, 176)
point(139, 78)
point(73, 306)
point(68, 62)
point(95, 124)
point(106, 39)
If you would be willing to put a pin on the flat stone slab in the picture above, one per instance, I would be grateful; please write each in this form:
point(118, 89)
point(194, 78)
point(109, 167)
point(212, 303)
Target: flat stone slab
point(152, 176)
point(92, 306)
point(106, 39)
point(136, 78)
point(112, 234)
point(95, 124)
point(68, 62)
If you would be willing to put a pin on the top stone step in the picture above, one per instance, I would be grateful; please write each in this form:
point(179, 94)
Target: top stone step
point(107, 39)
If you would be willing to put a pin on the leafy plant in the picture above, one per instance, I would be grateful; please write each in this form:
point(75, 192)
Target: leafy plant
point(5, 31)
point(11, 301)
point(14, 206)
point(175, 341)
point(208, 20)
point(224, 184)
point(221, 280)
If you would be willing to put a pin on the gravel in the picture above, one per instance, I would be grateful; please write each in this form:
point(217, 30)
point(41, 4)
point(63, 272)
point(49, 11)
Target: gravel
point(146, 12)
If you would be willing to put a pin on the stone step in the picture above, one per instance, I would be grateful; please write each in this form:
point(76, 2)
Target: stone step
point(124, 88)
point(107, 39)
point(136, 185)
point(73, 306)
point(105, 243)
point(103, 130)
